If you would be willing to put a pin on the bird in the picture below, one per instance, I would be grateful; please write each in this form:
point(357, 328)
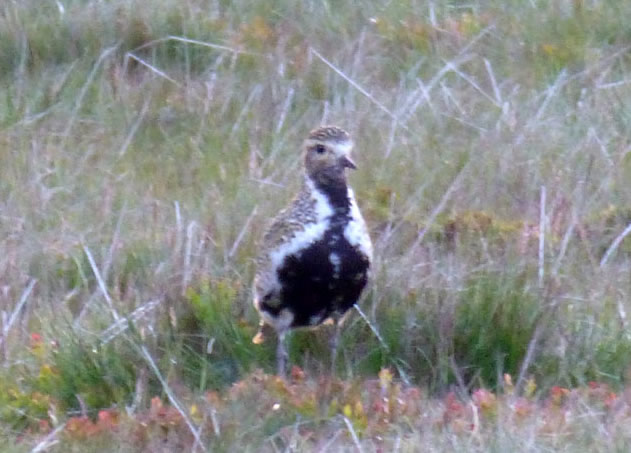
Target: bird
point(314, 259)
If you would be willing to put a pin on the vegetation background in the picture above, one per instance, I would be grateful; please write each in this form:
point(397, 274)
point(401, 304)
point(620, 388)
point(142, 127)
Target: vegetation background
point(144, 145)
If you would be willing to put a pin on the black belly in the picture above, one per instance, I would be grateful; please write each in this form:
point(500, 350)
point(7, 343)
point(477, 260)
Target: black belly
point(313, 289)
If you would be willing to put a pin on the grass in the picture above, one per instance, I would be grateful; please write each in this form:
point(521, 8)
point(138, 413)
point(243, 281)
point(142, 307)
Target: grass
point(143, 146)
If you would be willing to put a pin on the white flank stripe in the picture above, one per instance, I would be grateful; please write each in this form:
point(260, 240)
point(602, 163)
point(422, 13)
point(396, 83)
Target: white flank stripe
point(356, 232)
point(312, 232)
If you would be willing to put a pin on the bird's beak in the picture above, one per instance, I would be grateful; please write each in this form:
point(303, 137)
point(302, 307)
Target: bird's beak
point(347, 162)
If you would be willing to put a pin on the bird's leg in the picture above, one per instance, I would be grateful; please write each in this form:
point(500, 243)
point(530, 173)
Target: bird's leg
point(334, 343)
point(281, 354)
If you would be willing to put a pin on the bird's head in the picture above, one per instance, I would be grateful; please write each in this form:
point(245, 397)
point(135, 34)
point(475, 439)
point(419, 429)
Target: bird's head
point(327, 155)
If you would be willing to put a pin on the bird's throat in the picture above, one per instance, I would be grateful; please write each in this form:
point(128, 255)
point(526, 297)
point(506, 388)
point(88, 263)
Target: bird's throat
point(336, 192)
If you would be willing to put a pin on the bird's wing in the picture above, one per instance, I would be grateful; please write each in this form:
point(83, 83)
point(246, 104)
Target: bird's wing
point(281, 230)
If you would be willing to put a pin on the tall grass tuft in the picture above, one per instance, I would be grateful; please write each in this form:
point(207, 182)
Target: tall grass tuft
point(493, 325)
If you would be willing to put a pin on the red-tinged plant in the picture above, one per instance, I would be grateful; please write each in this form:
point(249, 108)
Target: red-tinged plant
point(557, 395)
point(411, 402)
point(594, 385)
point(393, 400)
point(554, 415)
point(456, 413)
point(214, 400)
point(165, 416)
point(305, 402)
point(385, 400)
point(36, 339)
point(297, 374)
point(599, 393)
point(381, 407)
point(108, 420)
point(156, 407)
point(44, 426)
point(486, 402)
point(523, 408)
point(278, 386)
point(160, 424)
point(37, 346)
point(610, 400)
point(81, 428)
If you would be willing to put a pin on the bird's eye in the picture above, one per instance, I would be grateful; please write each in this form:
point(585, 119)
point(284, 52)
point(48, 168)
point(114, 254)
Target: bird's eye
point(320, 149)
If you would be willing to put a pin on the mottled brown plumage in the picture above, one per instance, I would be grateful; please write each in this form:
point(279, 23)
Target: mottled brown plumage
point(286, 225)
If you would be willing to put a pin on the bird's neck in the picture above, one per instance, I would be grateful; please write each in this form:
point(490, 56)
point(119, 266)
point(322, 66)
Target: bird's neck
point(335, 192)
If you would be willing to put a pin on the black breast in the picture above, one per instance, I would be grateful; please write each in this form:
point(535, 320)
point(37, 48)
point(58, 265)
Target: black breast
point(324, 279)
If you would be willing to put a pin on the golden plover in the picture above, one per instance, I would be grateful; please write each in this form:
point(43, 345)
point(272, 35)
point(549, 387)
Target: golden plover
point(315, 257)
